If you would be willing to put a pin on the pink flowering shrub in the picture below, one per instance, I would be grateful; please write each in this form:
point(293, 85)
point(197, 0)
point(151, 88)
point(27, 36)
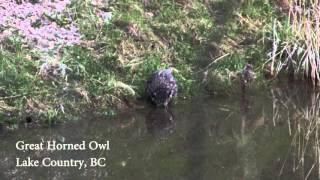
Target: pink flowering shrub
point(31, 21)
point(45, 26)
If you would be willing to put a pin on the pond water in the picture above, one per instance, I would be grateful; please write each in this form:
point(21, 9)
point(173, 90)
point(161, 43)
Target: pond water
point(238, 137)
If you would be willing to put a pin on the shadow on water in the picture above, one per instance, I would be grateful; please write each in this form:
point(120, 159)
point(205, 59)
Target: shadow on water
point(267, 134)
point(195, 147)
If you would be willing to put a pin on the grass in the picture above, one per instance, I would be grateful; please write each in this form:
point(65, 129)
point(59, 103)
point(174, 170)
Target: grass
point(295, 46)
point(207, 42)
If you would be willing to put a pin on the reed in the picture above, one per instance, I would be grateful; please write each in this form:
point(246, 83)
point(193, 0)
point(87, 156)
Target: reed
point(296, 41)
point(301, 109)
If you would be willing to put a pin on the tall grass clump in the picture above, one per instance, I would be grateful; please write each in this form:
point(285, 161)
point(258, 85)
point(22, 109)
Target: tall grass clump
point(296, 41)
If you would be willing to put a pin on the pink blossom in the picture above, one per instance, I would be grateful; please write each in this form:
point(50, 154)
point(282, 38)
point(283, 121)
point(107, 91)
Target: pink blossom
point(31, 23)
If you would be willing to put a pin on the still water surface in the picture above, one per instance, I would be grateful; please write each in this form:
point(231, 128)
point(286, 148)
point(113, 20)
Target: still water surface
point(212, 137)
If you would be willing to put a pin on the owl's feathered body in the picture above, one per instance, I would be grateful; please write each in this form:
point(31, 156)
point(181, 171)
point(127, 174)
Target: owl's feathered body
point(162, 87)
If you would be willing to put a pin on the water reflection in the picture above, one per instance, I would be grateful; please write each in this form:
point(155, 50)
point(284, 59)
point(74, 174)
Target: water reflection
point(299, 108)
point(160, 122)
point(246, 145)
point(196, 146)
point(237, 137)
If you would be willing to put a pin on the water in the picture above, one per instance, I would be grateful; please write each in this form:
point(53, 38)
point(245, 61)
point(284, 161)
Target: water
point(212, 137)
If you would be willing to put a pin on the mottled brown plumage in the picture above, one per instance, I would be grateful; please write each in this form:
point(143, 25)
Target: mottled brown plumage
point(162, 87)
point(246, 76)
